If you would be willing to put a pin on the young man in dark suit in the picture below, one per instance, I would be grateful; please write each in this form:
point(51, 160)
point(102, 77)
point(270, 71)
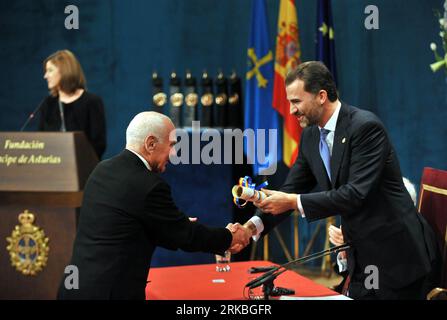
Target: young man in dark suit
point(345, 153)
point(128, 211)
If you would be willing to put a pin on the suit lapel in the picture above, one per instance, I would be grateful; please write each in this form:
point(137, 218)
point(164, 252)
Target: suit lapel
point(340, 142)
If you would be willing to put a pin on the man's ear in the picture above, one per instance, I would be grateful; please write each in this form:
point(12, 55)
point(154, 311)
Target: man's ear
point(150, 143)
point(322, 95)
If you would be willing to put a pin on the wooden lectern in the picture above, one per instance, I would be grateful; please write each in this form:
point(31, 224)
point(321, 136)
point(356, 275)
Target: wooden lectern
point(41, 173)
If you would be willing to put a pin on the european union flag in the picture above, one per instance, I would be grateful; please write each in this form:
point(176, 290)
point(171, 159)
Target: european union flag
point(259, 112)
point(326, 54)
point(325, 36)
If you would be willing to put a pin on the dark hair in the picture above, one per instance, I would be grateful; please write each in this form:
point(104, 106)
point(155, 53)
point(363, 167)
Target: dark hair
point(316, 77)
point(72, 76)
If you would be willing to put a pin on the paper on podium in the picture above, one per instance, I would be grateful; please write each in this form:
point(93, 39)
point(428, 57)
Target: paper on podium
point(334, 297)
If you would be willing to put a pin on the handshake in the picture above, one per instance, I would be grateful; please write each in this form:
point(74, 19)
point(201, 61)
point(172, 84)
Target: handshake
point(241, 236)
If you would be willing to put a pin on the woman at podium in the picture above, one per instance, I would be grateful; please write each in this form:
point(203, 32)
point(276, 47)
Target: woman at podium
point(70, 107)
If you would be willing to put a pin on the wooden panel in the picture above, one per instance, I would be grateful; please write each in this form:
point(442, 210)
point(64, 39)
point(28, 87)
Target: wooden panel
point(43, 172)
point(44, 161)
point(49, 199)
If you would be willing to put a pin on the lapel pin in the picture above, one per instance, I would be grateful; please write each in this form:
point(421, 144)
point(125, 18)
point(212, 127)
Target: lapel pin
point(343, 140)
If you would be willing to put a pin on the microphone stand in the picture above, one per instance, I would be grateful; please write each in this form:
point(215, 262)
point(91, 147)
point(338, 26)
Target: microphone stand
point(30, 117)
point(269, 285)
point(267, 279)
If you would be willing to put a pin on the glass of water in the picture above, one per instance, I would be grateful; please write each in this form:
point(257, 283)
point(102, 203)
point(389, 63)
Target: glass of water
point(223, 262)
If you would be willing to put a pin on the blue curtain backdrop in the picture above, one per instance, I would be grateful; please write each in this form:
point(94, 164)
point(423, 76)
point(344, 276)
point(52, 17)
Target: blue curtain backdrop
point(120, 43)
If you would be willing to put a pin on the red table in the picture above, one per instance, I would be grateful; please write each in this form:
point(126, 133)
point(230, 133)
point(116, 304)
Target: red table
point(196, 282)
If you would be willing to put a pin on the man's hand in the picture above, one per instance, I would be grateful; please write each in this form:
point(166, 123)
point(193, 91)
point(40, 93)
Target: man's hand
point(336, 238)
point(277, 202)
point(335, 235)
point(241, 237)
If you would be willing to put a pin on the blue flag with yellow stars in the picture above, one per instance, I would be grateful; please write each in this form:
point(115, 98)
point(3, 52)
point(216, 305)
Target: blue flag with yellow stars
point(325, 36)
point(265, 150)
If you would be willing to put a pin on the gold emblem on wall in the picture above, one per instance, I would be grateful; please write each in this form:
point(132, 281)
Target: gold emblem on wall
point(221, 99)
point(160, 99)
point(177, 99)
point(234, 99)
point(192, 99)
point(28, 247)
point(207, 99)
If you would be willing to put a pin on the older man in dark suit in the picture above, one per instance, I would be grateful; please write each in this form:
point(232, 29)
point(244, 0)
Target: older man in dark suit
point(346, 154)
point(128, 211)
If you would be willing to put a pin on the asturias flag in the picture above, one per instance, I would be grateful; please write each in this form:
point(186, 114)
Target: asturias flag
point(259, 113)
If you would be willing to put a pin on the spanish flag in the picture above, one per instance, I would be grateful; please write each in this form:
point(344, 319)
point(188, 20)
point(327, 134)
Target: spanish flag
point(288, 53)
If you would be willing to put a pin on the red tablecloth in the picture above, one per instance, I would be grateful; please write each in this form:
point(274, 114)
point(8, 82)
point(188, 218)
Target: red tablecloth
point(196, 282)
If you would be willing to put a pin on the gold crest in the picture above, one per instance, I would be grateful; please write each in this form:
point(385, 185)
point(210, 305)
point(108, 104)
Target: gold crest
point(160, 99)
point(28, 247)
point(221, 99)
point(207, 99)
point(191, 99)
point(177, 99)
point(234, 99)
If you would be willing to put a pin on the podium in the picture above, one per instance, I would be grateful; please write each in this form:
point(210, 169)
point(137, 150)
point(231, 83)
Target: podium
point(42, 175)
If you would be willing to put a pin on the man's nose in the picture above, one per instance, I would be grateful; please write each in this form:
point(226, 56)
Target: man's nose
point(293, 109)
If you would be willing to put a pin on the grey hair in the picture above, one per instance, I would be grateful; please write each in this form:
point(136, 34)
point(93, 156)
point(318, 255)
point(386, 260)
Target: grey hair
point(145, 124)
point(411, 189)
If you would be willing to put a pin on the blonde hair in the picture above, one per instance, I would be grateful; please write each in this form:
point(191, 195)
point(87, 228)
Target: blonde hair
point(72, 76)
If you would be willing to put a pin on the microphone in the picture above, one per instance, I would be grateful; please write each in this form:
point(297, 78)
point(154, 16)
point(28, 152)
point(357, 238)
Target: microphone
point(31, 116)
point(272, 274)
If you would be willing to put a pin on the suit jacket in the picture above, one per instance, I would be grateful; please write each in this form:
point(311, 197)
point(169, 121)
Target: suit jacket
point(377, 214)
point(126, 212)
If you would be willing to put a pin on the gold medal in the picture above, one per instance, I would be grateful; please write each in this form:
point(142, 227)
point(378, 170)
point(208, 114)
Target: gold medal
point(159, 99)
point(234, 99)
point(207, 99)
point(221, 99)
point(177, 99)
point(191, 99)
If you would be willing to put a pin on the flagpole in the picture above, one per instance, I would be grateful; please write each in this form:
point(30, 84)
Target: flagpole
point(295, 235)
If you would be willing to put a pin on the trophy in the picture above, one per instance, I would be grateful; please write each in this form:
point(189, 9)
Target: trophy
point(221, 101)
point(176, 100)
point(234, 116)
point(191, 100)
point(159, 98)
point(207, 101)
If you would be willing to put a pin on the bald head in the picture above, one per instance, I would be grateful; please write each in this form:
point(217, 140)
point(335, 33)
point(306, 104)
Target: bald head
point(146, 124)
point(149, 134)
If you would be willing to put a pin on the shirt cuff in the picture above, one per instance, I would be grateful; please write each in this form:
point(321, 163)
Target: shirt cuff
point(300, 206)
point(259, 227)
point(342, 263)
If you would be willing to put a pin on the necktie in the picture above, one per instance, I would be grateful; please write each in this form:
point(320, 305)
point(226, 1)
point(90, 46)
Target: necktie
point(324, 151)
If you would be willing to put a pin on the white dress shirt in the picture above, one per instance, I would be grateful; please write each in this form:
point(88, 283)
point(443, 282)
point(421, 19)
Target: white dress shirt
point(142, 159)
